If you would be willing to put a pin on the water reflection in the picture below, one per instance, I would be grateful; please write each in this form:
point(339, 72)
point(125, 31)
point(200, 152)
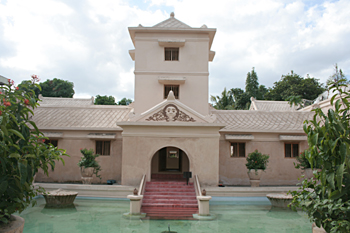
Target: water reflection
point(282, 213)
point(92, 216)
point(58, 211)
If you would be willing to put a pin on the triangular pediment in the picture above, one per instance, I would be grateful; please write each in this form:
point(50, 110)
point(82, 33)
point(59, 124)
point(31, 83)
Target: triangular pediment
point(172, 110)
point(171, 23)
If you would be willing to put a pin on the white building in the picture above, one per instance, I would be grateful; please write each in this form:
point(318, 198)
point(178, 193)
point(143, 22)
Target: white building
point(171, 128)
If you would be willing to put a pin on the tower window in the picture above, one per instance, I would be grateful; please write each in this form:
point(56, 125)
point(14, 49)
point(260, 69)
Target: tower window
point(171, 54)
point(174, 88)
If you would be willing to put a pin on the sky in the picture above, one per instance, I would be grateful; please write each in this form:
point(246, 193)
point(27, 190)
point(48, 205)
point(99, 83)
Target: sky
point(87, 41)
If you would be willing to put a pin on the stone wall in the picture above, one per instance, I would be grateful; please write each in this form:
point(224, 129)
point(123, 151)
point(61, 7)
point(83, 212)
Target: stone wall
point(72, 141)
point(280, 170)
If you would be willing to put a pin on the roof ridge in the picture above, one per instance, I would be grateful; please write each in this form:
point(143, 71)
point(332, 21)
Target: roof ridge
point(86, 106)
point(284, 101)
point(171, 23)
point(255, 112)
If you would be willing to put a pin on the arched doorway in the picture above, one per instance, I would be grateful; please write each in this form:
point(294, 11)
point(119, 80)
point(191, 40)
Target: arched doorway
point(169, 162)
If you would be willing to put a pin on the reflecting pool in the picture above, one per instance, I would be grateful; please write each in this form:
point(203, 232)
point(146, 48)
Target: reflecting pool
point(234, 214)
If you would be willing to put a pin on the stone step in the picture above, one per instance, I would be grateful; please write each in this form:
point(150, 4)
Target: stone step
point(168, 193)
point(167, 176)
point(188, 197)
point(182, 205)
point(168, 201)
point(168, 182)
point(169, 187)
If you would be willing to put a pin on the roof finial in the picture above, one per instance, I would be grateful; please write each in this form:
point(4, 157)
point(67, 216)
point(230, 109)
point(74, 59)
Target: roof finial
point(172, 15)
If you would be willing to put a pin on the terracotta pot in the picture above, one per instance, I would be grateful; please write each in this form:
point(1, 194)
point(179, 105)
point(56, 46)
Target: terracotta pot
point(15, 226)
point(87, 171)
point(316, 229)
point(255, 175)
point(308, 172)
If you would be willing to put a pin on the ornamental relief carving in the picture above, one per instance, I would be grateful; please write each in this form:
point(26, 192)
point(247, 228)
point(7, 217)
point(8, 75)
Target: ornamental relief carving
point(170, 113)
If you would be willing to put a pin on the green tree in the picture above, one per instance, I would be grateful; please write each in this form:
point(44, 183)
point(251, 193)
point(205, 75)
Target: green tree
point(24, 85)
point(295, 101)
point(22, 149)
point(124, 101)
point(225, 102)
point(238, 99)
point(104, 100)
point(261, 92)
point(57, 88)
point(241, 98)
point(294, 85)
point(337, 77)
point(326, 199)
point(252, 84)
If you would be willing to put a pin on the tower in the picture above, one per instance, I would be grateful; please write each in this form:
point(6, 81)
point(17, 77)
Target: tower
point(171, 56)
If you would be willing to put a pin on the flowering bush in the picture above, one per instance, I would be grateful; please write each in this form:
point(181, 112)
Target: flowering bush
point(22, 150)
point(256, 160)
point(89, 160)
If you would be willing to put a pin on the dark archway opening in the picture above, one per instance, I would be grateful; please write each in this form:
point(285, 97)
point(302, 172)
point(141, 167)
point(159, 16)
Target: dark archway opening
point(169, 163)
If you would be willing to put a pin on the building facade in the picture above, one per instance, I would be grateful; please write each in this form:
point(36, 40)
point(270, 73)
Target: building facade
point(170, 128)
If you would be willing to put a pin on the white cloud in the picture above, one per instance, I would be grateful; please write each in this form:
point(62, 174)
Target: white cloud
point(87, 42)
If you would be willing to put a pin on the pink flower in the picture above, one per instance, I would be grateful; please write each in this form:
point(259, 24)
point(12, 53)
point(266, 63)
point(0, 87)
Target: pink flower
point(11, 82)
point(17, 88)
point(26, 101)
point(35, 78)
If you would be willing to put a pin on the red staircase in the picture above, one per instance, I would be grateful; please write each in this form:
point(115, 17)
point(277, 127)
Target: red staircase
point(169, 198)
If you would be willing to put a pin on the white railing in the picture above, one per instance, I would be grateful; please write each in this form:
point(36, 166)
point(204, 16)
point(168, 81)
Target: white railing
point(136, 200)
point(197, 187)
point(203, 200)
point(142, 185)
point(142, 188)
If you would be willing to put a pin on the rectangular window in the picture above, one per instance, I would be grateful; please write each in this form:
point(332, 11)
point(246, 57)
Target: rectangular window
point(171, 54)
point(291, 150)
point(237, 149)
point(51, 141)
point(174, 88)
point(103, 147)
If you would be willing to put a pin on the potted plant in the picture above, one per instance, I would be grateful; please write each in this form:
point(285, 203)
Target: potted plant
point(256, 164)
point(304, 164)
point(88, 164)
point(22, 151)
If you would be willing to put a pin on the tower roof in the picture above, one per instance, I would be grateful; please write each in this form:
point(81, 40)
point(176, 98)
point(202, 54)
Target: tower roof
point(171, 23)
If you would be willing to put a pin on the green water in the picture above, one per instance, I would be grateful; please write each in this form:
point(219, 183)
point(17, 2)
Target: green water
point(105, 215)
